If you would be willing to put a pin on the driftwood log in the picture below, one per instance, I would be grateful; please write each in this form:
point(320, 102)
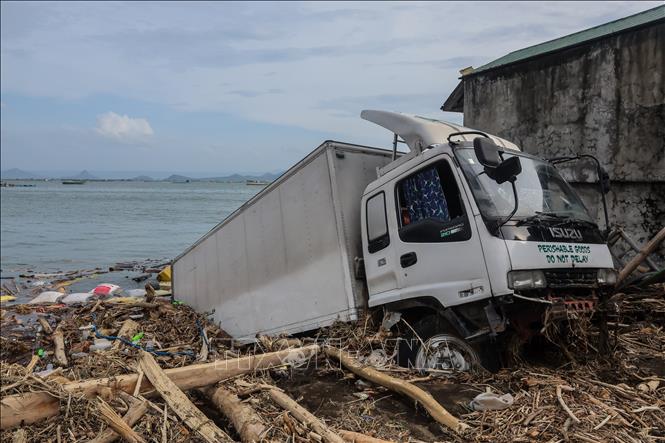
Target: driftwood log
point(438, 412)
point(34, 406)
point(641, 256)
point(179, 402)
point(304, 416)
point(357, 437)
point(245, 420)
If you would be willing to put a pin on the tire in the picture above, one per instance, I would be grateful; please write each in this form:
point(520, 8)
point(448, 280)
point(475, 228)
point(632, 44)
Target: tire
point(443, 348)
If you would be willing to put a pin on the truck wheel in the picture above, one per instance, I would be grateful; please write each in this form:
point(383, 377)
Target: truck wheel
point(435, 346)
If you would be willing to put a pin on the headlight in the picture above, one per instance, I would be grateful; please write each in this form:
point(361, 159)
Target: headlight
point(526, 280)
point(607, 277)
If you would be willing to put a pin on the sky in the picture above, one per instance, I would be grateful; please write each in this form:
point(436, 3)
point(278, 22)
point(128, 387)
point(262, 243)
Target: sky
point(214, 88)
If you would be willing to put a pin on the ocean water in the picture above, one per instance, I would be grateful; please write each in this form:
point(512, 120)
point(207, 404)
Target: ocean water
point(56, 227)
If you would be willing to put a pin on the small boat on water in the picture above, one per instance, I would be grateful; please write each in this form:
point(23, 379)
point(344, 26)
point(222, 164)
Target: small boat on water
point(257, 183)
point(73, 182)
point(15, 185)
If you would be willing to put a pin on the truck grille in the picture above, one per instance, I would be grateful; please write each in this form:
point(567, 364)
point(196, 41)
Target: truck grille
point(566, 278)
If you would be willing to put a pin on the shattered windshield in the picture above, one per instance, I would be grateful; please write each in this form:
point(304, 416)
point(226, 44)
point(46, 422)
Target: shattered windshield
point(540, 190)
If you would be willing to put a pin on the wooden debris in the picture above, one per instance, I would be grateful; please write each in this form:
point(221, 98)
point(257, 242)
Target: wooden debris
point(203, 353)
point(304, 416)
point(179, 402)
point(643, 254)
point(33, 362)
point(59, 343)
point(357, 437)
point(246, 421)
point(127, 330)
point(563, 404)
point(45, 325)
point(20, 436)
point(438, 412)
point(117, 423)
point(34, 406)
point(137, 409)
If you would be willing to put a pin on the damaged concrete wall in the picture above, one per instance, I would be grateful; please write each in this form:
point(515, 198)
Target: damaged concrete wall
point(605, 98)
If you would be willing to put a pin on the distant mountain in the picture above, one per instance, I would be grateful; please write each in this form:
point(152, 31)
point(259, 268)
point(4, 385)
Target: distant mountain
point(178, 178)
point(238, 178)
point(142, 178)
point(229, 178)
point(83, 175)
point(17, 174)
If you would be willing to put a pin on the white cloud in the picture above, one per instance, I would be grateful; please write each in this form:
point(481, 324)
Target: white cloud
point(123, 127)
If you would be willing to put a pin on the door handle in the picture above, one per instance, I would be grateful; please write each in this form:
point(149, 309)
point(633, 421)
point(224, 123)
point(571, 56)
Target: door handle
point(408, 259)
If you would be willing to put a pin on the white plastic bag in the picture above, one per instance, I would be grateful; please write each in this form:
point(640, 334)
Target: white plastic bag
point(78, 297)
point(47, 297)
point(489, 401)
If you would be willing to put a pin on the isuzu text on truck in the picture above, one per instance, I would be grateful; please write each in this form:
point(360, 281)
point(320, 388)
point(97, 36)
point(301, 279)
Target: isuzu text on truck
point(464, 237)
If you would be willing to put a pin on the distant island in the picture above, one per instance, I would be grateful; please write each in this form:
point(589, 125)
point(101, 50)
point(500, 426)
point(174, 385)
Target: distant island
point(85, 175)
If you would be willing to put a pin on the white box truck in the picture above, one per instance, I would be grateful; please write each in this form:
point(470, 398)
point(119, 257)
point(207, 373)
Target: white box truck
point(464, 236)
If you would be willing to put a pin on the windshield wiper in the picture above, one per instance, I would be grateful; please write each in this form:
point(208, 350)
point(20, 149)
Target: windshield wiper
point(539, 216)
point(570, 220)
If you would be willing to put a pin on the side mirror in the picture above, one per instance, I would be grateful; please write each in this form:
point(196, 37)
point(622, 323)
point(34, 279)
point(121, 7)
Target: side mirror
point(506, 171)
point(604, 181)
point(487, 152)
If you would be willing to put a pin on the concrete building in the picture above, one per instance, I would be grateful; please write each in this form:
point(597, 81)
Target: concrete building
point(600, 91)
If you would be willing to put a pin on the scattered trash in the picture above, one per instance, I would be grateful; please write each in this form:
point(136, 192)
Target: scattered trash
point(46, 372)
point(137, 338)
point(106, 290)
point(489, 401)
point(101, 344)
point(40, 352)
point(141, 277)
point(47, 297)
point(6, 298)
point(136, 292)
point(165, 274)
point(77, 297)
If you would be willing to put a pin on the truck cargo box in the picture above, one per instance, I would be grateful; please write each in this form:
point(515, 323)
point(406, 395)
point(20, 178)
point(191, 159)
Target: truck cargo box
point(284, 260)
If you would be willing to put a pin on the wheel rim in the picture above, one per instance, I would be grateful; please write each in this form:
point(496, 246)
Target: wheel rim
point(446, 352)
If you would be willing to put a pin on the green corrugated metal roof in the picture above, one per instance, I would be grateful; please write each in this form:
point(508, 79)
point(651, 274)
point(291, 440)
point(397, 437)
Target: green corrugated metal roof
point(650, 15)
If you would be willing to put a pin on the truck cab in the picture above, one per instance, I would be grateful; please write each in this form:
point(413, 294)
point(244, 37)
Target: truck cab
point(465, 254)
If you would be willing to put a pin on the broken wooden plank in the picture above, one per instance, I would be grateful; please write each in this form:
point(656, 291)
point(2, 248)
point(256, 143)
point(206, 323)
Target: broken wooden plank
point(34, 406)
point(179, 402)
point(438, 412)
point(136, 410)
point(246, 421)
point(304, 416)
point(118, 425)
point(127, 330)
point(59, 343)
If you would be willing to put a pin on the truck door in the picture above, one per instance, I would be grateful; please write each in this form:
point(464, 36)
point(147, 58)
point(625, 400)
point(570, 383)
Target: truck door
point(437, 246)
point(379, 255)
